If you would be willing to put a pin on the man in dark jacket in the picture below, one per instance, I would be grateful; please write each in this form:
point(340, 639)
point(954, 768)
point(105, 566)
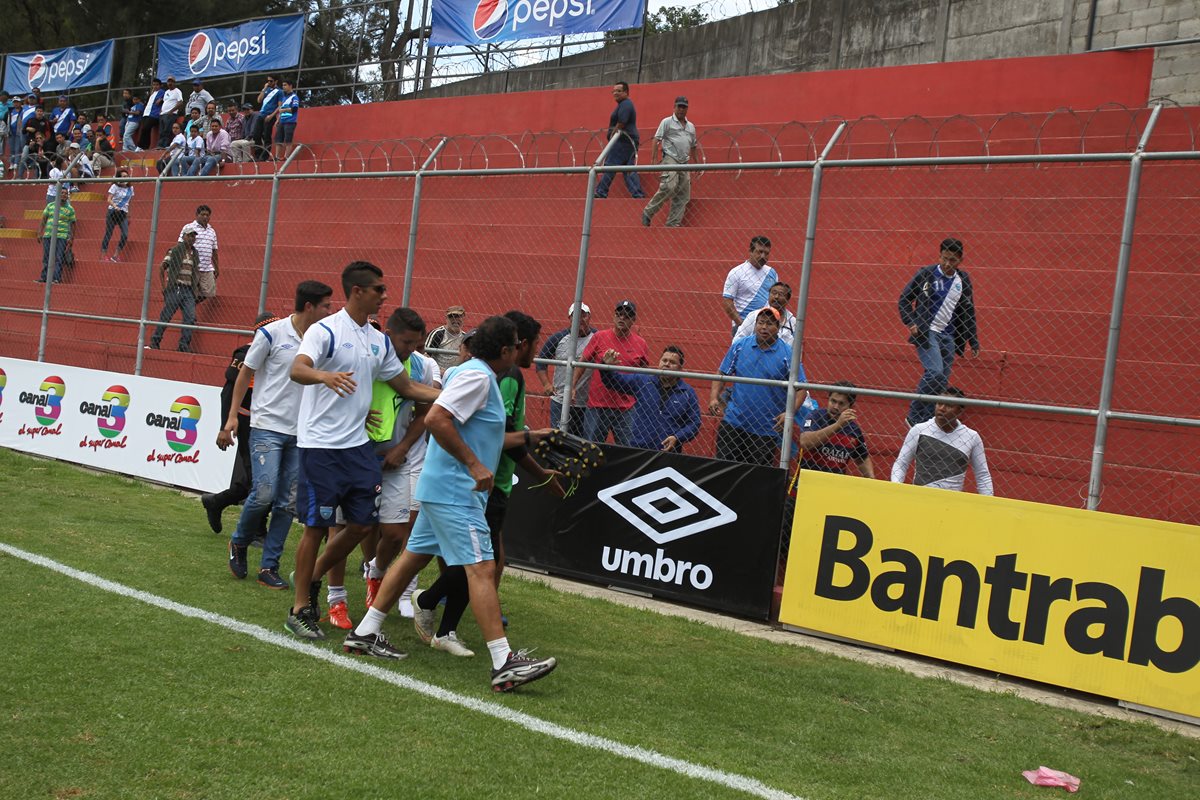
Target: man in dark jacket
point(938, 307)
point(666, 413)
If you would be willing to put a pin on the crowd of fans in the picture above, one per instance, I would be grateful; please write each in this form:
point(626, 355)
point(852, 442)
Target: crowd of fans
point(190, 136)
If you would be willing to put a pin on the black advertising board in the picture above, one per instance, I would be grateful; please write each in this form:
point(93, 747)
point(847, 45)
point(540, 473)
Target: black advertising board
point(697, 530)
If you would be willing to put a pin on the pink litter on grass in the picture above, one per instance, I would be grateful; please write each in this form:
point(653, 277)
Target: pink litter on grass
point(1044, 776)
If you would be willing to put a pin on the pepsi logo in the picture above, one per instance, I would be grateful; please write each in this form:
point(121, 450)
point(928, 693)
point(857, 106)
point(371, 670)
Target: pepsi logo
point(490, 16)
point(37, 71)
point(199, 53)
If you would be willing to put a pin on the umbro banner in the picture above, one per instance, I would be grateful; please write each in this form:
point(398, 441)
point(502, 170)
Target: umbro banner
point(59, 70)
point(692, 529)
point(257, 46)
point(480, 21)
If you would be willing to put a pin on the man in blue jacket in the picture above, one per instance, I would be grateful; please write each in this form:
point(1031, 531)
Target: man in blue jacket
point(938, 307)
point(666, 412)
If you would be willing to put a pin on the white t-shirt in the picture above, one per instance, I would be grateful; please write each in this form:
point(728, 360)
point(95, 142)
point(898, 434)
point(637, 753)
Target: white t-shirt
point(467, 394)
point(339, 344)
point(178, 143)
point(276, 399)
point(748, 286)
point(941, 458)
point(433, 376)
point(171, 100)
point(787, 330)
point(206, 243)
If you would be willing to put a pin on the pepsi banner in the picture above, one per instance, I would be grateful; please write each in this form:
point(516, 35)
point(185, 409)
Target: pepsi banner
point(685, 528)
point(480, 21)
point(59, 70)
point(257, 46)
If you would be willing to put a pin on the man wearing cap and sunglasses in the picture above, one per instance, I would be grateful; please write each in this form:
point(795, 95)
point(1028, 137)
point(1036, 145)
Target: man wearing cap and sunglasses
point(556, 348)
point(448, 337)
point(608, 409)
point(677, 137)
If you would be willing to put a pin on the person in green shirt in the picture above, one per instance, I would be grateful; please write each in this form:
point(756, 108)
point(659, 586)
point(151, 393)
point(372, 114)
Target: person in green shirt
point(56, 241)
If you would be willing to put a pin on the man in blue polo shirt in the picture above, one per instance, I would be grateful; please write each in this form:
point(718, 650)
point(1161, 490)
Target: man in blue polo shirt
point(666, 412)
point(749, 429)
point(337, 360)
point(62, 118)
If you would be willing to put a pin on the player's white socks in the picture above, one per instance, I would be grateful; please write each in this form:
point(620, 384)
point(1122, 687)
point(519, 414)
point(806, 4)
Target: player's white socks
point(372, 623)
point(375, 572)
point(336, 594)
point(498, 648)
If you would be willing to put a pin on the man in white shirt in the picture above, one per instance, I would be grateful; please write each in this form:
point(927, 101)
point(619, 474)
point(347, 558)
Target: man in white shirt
point(338, 359)
point(748, 285)
point(942, 448)
point(172, 100)
point(275, 460)
point(677, 137)
point(778, 298)
point(206, 246)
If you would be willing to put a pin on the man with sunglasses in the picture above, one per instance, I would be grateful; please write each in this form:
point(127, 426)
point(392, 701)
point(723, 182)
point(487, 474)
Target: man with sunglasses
point(448, 337)
point(338, 359)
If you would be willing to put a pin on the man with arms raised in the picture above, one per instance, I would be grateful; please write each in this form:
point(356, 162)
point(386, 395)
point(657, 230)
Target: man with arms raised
point(338, 359)
point(467, 425)
point(275, 459)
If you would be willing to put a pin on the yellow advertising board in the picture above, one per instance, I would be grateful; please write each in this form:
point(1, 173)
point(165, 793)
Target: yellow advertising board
point(1097, 602)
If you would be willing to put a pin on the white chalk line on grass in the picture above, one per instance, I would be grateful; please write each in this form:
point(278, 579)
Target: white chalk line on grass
point(730, 780)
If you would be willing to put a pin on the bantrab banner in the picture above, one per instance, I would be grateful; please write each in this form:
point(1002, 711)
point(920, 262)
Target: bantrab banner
point(696, 530)
point(468, 22)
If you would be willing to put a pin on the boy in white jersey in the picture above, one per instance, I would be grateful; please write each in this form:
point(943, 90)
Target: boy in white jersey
point(467, 426)
point(941, 449)
point(273, 408)
point(337, 361)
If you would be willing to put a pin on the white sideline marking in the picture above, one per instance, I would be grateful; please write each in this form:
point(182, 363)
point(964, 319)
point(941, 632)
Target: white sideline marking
point(731, 780)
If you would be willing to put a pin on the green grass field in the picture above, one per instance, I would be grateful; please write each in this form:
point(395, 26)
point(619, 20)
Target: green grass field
point(106, 696)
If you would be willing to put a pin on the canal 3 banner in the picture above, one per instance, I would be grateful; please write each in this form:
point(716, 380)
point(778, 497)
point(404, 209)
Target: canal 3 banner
point(161, 430)
point(1098, 602)
point(479, 21)
point(266, 44)
point(692, 529)
point(59, 70)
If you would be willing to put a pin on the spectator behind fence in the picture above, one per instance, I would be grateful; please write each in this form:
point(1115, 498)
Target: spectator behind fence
point(57, 171)
point(39, 123)
point(178, 280)
point(62, 118)
point(448, 337)
point(206, 247)
point(193, 123)
point(37, 161)
point(148, 133)
point(938, 308)
point(171, 107)
point(198, 99)
point(6, 128)
point(103, 144)
point(133, 121)
point(754, 414)
point(120, 196)
point(23, 119)
point(831, 437)
point(666, 412)
point(83, 165)
point(607, 409)
point(941, 448)
point(622, 123)
point(286, 116)
point(216, 146)
point(56, 239)
point(268, 99)
point(177, 149)
point(556, 348)
point(193, 155)
point(235, 126)
point(677, 137)
point(748, 285)
point(778, 298)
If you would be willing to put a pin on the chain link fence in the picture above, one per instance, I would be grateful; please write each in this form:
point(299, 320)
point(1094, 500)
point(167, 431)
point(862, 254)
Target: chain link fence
point(1075, 229)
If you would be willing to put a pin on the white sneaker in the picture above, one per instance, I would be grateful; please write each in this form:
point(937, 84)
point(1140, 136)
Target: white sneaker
point(450, 644)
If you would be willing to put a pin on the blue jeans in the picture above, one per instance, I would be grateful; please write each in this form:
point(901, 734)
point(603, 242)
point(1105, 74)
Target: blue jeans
point(176, 298)
point(937, 356)
point(575, 420)
point(599, 421)
point(622, 153)
point(274, 467)
point(60, 248)
point(127, 140)
point(205, 165)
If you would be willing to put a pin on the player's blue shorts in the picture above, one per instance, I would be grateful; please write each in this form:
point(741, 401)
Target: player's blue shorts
point(349, 478)
point(459, 534)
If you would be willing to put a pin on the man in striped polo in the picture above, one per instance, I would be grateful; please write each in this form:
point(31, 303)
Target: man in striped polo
point(206, 246)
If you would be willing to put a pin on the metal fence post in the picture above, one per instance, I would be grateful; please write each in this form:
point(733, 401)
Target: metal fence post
point(580, 275)
point(150, 244)
point(1095, 479)
point(410, 256)
point(810, 238)
point(270, 242)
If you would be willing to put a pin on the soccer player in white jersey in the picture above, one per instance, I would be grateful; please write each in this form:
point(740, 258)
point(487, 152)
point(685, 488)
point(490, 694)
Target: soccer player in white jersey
point(467, 426)
point(338, 359)
point(275, 459)
point(941, 449)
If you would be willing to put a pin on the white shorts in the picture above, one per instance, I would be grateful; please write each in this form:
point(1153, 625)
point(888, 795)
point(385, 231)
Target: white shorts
point(414, 504)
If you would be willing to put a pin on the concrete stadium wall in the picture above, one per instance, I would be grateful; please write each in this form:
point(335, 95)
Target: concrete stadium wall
point(815, 35)
point(937, 90)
